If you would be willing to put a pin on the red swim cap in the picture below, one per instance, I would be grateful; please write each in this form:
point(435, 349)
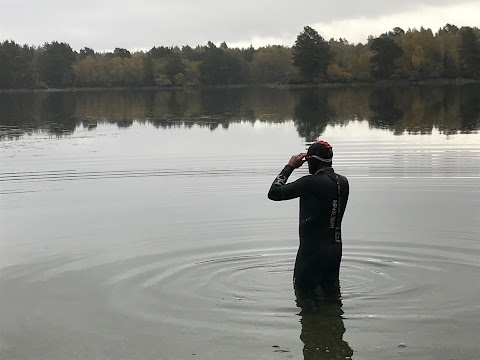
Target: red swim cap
point(321, 150)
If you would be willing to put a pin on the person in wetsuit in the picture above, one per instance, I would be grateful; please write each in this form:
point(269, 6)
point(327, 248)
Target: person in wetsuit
point(323, 199)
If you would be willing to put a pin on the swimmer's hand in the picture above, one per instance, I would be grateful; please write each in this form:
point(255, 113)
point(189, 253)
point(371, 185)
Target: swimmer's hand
point(297, 160)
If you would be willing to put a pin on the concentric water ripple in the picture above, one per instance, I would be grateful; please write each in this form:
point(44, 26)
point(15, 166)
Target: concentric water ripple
point(226, 286)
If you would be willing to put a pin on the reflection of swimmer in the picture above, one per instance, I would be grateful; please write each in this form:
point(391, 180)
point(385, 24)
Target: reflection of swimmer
point(323, 329)
point(323, 198)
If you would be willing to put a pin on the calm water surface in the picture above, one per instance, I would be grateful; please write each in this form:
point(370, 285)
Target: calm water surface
point(137, 226)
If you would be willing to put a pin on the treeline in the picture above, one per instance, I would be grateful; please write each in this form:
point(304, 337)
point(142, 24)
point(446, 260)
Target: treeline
point(416, 110)
point(450, 53)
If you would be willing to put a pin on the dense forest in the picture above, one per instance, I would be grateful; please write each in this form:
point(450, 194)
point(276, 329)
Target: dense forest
point(450, 53)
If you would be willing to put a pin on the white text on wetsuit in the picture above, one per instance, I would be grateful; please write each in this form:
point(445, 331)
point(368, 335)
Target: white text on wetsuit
point(280, 180)
point(334, 214)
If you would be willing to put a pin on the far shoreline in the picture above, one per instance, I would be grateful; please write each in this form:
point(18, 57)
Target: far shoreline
point(324, 85)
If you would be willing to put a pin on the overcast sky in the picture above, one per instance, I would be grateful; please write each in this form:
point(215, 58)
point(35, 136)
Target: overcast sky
point(142, 24)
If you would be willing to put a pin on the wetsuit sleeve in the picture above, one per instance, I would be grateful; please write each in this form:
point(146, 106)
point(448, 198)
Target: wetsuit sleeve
point(280, 190)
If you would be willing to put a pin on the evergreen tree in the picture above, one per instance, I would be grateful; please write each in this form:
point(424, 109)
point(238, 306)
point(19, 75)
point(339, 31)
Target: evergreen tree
point(173, 67)
point(16, 69)
point(449, 65)
point(469, 54)
point(55, 64)
point(86, 51)
point(386, 51)
point(122, 53)
point(311, 54)
point(159, 52)
point(248, 53)
point(221, 66)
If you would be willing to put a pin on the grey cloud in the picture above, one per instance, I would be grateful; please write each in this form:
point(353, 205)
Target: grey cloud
point(105, 24)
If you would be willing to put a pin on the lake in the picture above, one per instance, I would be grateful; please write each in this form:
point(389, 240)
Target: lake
point(136, 224)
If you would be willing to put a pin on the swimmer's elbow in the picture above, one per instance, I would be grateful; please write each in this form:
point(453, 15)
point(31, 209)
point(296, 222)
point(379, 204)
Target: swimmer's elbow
point(274, 195)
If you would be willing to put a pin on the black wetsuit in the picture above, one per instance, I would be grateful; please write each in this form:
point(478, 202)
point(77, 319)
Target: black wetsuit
point(321, 213)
